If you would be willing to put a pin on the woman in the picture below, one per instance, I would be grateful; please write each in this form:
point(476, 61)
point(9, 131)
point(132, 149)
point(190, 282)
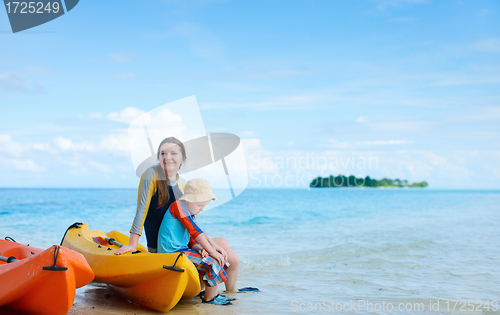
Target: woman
point(159, 187)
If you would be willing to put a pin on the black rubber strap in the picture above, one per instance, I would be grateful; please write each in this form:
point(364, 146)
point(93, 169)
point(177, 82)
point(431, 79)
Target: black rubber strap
point(8, 238)
point(75, 225)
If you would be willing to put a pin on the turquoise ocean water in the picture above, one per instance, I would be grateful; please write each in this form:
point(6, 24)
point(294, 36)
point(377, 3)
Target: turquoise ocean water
point(319, 250)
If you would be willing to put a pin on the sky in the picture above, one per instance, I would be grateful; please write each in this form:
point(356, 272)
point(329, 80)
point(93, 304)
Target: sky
point(406, 89)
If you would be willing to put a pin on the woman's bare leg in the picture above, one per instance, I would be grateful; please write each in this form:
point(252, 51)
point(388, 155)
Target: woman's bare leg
point(234, 262)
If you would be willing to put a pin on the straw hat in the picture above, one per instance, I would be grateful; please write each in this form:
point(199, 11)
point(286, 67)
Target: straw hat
point(198, 190)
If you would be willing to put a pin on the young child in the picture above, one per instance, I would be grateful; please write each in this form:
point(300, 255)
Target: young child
point(178, 226)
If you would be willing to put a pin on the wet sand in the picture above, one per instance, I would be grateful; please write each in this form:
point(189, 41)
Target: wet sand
point(96, 298)
point(100, 299)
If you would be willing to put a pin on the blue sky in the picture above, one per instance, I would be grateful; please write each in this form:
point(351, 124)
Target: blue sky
point(413, 84)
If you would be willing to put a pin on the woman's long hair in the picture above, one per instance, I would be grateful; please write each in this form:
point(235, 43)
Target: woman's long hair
point(161, 182)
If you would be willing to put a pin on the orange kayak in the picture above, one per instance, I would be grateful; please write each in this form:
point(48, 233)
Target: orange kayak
point(37, 281)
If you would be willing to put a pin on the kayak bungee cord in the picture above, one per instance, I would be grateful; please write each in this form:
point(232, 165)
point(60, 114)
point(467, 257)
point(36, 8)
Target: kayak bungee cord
point(75, 225)
point(55, 267)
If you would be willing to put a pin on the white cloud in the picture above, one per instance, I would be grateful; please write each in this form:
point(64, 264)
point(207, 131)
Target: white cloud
point(27, 165)
point(20, 165)
point(126, 115)
point(466, 169)
point(101, 167)
point(362, 119)
point(65, 144)
point(430, 164)
point(10, 146)
point(165, 116)
point(64, 156)
point(41, 146)
point(115, 143)
point(161, 122)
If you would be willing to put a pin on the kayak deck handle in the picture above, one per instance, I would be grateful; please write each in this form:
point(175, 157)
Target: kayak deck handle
point(55, 267)
point(174, 268)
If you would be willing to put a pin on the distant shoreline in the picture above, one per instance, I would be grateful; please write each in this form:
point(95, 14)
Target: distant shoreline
point(342, 181)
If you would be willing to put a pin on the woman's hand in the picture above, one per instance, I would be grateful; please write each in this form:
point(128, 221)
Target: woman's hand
point(125, 249)
point(132, 245)
point(219, 258)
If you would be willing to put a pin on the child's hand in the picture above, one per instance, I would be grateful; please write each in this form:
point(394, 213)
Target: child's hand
point(203, 253)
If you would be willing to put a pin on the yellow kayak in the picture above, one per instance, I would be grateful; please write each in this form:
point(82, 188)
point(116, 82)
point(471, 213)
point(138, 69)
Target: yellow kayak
point(155, 281)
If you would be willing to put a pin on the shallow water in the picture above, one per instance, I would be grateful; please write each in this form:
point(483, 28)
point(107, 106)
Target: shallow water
point(307, 250)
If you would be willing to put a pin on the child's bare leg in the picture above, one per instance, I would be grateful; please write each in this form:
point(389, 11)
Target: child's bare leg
point(210, 293)
point(234, 261)
point(202, 284)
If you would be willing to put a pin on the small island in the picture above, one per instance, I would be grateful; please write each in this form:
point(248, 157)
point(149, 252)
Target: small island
point(352, 181)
